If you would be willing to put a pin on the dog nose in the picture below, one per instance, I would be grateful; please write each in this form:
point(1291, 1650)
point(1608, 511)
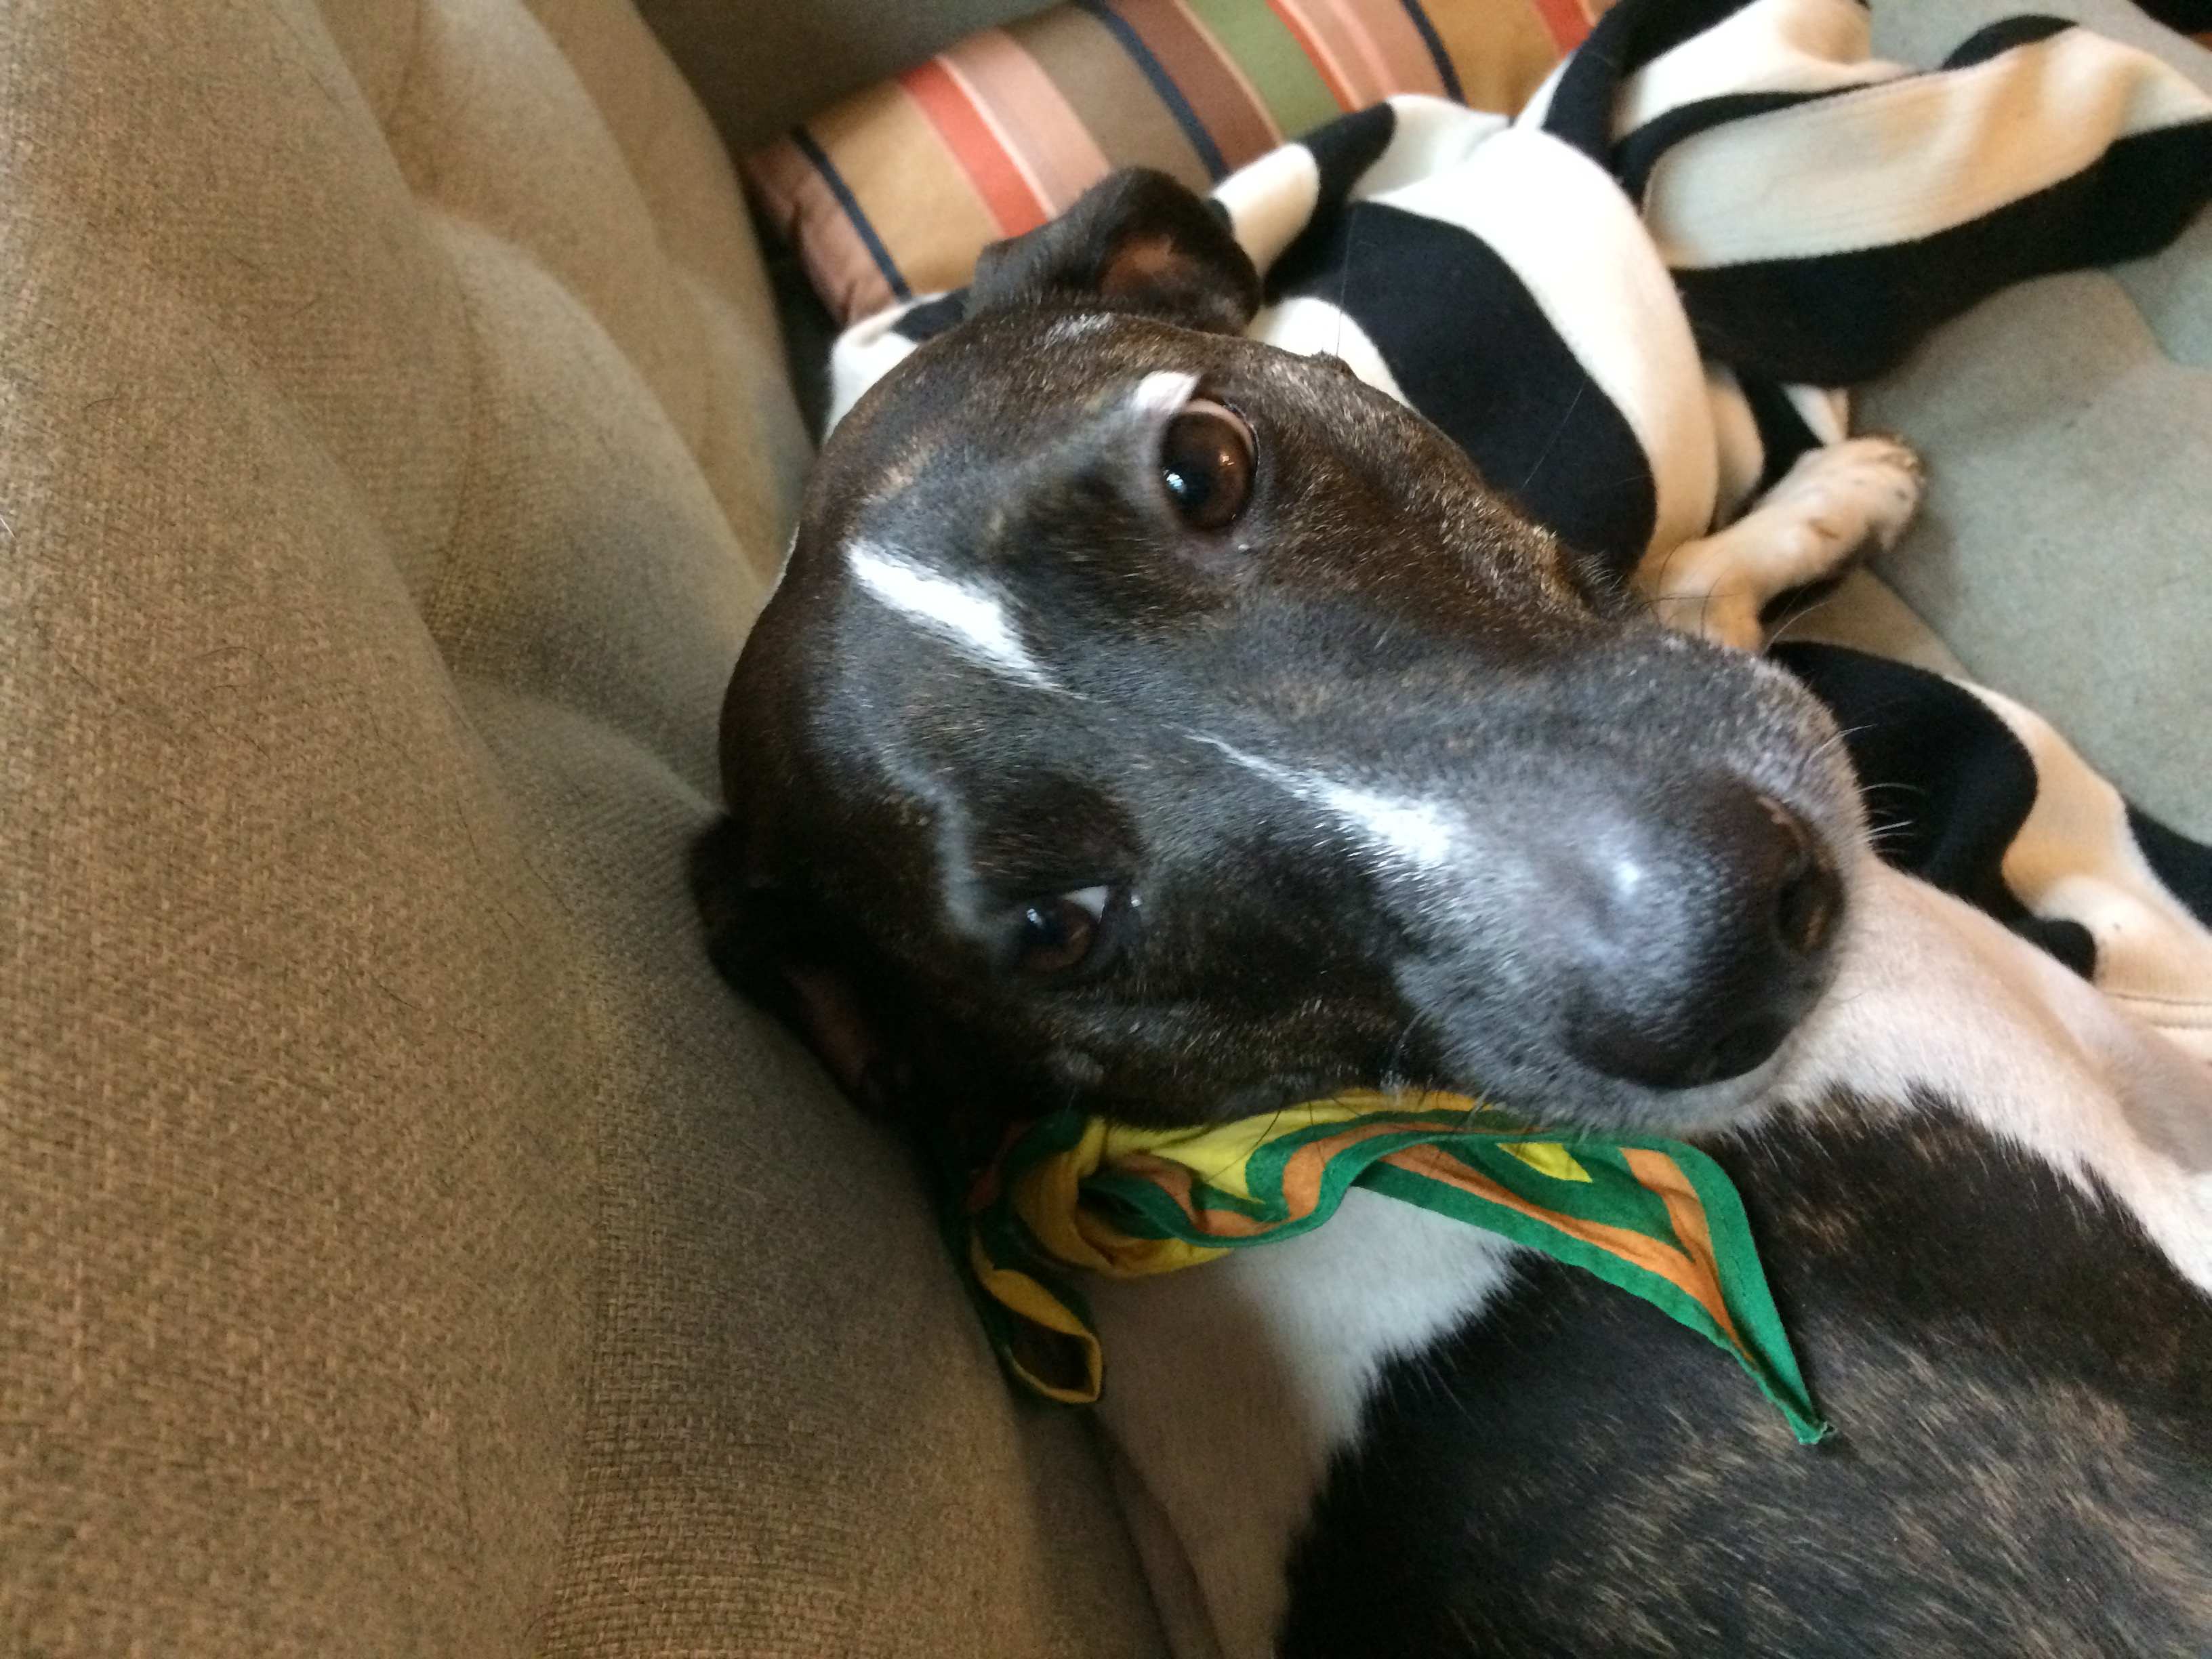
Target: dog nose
point(1704, 938)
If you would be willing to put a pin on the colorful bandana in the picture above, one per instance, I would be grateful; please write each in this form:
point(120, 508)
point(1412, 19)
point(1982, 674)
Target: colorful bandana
point(1654, 1217)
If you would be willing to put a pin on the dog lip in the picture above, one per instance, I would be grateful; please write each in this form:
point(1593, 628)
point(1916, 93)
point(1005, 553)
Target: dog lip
point(1741, 1048)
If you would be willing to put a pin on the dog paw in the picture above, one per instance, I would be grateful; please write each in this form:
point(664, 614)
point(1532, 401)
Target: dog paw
point(1849, 496)
point(1834, 504)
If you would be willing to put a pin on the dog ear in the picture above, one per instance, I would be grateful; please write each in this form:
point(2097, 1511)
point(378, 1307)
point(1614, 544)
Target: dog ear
point(781, 953)
point(1137, 241)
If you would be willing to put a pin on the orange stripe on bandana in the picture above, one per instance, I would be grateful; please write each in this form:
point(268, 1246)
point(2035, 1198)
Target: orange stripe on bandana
point(1654, 1217)
point(1696, 1278)
point(1660, 1174)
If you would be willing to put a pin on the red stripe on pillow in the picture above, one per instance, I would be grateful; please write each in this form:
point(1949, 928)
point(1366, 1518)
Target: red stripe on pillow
point(1565, 21)
point(1382, 51)
point(1013, 202)
point(1033, 122)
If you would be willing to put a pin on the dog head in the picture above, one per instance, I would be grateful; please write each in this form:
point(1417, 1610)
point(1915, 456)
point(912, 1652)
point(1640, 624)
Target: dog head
point(1153, 720)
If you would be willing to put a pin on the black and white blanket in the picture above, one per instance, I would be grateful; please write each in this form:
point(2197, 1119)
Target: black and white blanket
point(1635, 305)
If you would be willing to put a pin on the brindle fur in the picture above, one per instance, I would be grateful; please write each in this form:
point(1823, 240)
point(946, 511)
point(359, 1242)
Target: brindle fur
point(2024, 1392)
point(2024, 1460)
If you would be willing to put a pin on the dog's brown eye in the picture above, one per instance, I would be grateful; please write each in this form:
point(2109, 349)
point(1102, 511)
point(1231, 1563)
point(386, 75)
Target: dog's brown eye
point(1058, 933)
point(1206, 462)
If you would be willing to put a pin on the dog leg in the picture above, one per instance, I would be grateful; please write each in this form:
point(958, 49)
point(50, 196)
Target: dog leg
point(1833, 503)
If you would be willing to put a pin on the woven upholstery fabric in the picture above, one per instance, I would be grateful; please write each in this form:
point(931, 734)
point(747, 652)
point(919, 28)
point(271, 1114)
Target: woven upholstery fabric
point(759, 65)
point(894, 189)
point(409, 1248)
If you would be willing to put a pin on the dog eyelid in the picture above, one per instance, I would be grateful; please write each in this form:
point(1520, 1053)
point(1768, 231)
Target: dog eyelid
point(1163, 393)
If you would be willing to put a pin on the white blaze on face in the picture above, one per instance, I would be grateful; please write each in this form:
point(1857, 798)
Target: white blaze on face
point(969, 616)
point(1403, 829)
point(1163, 392)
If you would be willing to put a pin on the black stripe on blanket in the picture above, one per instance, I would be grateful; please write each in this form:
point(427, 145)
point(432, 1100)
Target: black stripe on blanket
point(2183, 866)
point(1508, 391)
point(2002, 36)
point(1623, 40)
point(1343, 151)
point(1637, 152)
point(1848, 317)
point(2187, 16)
point(1946, 785)
point(1634, 156)
point(933, 317)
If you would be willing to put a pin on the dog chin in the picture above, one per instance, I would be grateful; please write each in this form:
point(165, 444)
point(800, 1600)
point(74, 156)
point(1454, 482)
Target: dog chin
point(1710, 1108)
point(1731, 1102)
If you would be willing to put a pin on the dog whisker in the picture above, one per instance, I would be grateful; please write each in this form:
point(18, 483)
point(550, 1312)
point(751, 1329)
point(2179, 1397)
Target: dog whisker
point(1558, 432)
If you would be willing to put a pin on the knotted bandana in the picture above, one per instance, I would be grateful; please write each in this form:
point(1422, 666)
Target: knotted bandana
point(1654, 1217)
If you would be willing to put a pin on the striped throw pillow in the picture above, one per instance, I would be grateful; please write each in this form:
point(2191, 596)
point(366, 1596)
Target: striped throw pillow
point(894, 192)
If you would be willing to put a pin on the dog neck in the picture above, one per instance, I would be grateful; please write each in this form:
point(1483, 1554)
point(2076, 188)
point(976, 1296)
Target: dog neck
point(1234, 1387)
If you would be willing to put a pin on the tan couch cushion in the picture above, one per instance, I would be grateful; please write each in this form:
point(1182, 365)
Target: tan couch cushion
point(762, 64)
point(409, 1246)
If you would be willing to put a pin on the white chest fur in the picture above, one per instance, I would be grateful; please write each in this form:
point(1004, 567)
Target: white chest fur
point(1231, 1386)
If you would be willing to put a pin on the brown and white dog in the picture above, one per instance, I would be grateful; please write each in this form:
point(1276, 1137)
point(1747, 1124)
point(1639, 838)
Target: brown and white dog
point(1153, 720)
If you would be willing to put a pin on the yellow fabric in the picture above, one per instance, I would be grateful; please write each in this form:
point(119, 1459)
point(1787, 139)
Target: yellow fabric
point(1658, 1219)
point(1049, 1196)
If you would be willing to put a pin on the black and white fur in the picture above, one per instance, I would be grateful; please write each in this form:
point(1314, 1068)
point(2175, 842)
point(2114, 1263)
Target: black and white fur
point(1043, 792)
point(942, 719)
